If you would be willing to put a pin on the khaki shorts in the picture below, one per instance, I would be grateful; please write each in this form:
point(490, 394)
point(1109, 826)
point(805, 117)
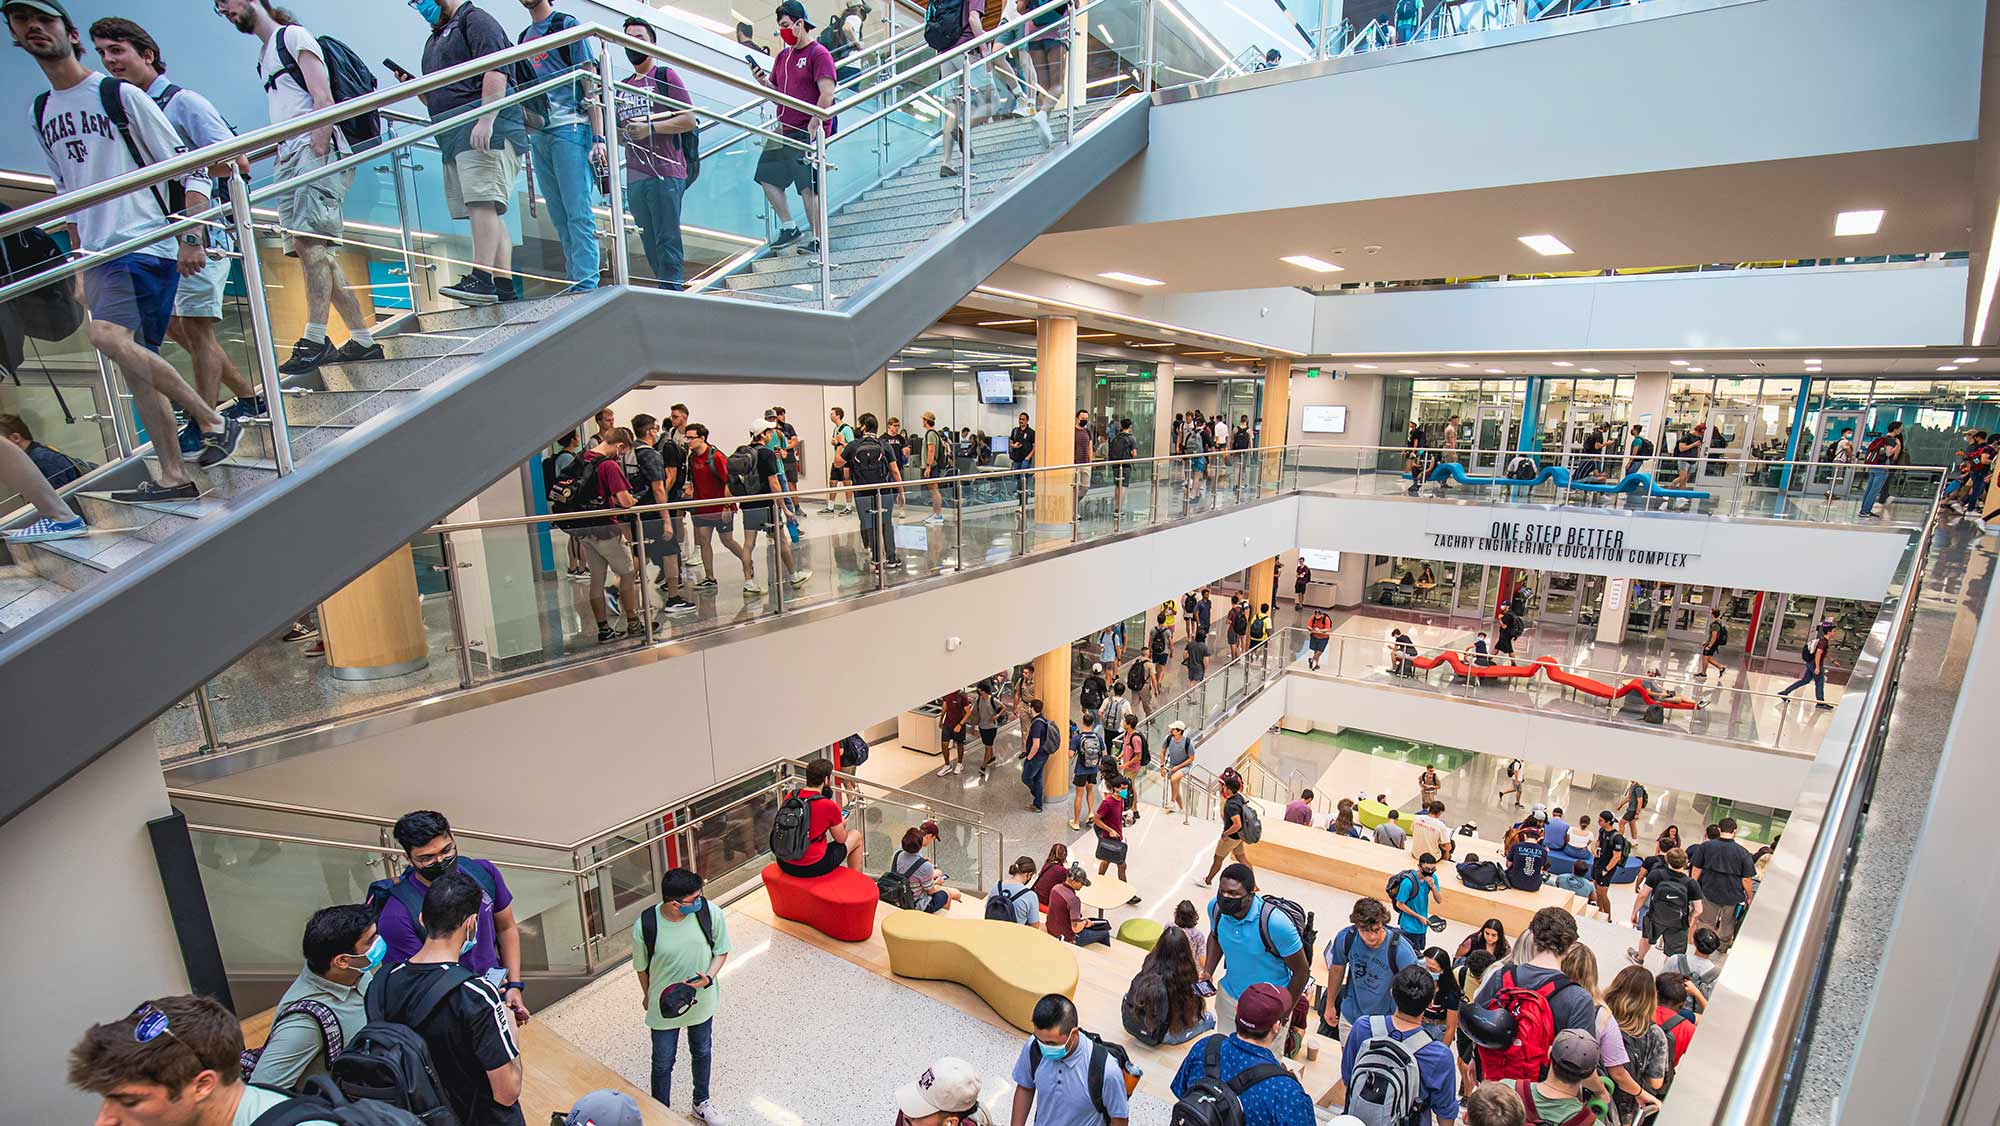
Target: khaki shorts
point(199, 295)
point(481, 176)
point(607, 553)
point(313, 208)
point(1227, 845)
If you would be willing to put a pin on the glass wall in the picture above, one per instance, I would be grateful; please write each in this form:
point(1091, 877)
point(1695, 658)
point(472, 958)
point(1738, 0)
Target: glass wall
point(977, 390)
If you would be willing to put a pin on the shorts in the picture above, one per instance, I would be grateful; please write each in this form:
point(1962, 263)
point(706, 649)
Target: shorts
point(1083, 777)
point(312, 209)
point(603, 553)
point(199, 295)
point(1318, 644)
point(784, 166)
point(987, 735)
point(951, 736)
point(725, 521)
point(836, 855)
point(134, 291)
point(1709, 650)
point(1009, 35)
point(756, 517)
point(1672, 941)
point(1601, 879)
point(481, 176)
point(1226, 846)
point(660, 542)
point(1121, 474)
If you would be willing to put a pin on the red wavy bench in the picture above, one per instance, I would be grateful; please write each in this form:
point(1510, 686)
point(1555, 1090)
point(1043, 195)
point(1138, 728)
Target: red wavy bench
point(840, 904)
point(1548, 667)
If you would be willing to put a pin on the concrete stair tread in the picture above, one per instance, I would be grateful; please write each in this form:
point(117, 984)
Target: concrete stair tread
point(209, 503)
point(23, 594)
point(104, 549)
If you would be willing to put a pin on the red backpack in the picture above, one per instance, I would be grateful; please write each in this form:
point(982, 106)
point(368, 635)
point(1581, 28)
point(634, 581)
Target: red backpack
point(1534, 1029)
point(1525, 1089)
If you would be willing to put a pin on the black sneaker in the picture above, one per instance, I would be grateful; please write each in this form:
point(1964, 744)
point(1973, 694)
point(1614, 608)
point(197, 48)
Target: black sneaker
point(785, 237)
point(300, 631)
point(507, 289)
point(218, 447)
point(353, 350)
point(808, 247)
point(254, 406)
point(154, 491)
point(606, 633)
point(475, 288)
point(307, 355)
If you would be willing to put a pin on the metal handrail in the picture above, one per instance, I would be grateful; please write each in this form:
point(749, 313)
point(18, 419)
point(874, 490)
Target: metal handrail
point(1772, 1037)
point(350, 846)
point(179, 794)
point(938, 60)
point(965, 812)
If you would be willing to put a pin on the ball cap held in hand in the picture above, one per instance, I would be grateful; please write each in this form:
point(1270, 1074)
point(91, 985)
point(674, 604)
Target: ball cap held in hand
point(949, 1086)
point(676, 999)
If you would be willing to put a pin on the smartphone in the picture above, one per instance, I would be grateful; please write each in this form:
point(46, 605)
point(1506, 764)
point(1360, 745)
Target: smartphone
point(1204, 988)
point(401, 74)
point(755, 68)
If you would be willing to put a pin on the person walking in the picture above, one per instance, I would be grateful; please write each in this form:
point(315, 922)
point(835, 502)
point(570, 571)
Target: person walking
point(1613, 848)
point(1176, 756)
point(1814, 653)
point(1882, 453)
point(1728, 880)
point(1230, 843)
point(1361, 962)
point(868, 461)
point(1244, 1055)
point(1036, 747)
point(1052, 1075)
point(1718, 636)
point(1412, 901)
point(1087, 748)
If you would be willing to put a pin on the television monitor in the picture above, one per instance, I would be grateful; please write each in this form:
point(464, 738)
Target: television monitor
point(996, 387)
point(1325, 420)
point(1000, 444)
point(1320, 561)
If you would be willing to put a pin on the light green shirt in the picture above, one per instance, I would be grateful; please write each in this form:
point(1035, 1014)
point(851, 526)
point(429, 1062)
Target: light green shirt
point(256, 1101)
point(680, 953)
point(296, 1047)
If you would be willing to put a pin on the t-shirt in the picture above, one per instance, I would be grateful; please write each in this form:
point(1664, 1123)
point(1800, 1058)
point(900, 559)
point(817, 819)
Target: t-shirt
point(657, 157)
point(1414, 892)
point(1550, 1108)
point(296, 1048)
point(1682, 1033)
point(1612, 847)
point(565, 102)
point(1574, 884)
point(1724, 866)
point(1080, 446)
point(1111, 811)
point(1278, 1101)
point(1661, 875)
point(1246, 960)
point(1450, 997)
point(1027, 908)
point(193, 116)
point(708, 479)
point(1176, 750)
point(1232, 813)
point(1364, 991)
point(1391, 834)
point(403, 939)
point(797, 72)
point(916, 868)
point(256, 1101)
point(1041, 738)
point(955, 707)
point(822, 814)
point(673, 463)
point(1698, 969)
point(1570, 1003)
point(1047, 880)
point(1064, 910)
point(986, 711)
point(1556, 834)
point(469, 1034)
point(83, 148)
point(468, 34)
point(285, 97)
point(1646, 1055)
point(1428, 835)
point(679, 953)
point(1298, 811)
point(1527, 865)
point(1437, 1067)
point(647, 469)
point(1062, 1087)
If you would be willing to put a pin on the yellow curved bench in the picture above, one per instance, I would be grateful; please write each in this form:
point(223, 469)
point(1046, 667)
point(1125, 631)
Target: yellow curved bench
point(1010, 966)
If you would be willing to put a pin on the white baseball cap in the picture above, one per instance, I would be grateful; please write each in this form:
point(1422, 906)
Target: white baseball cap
point(950, 1086)
point(1177, 725)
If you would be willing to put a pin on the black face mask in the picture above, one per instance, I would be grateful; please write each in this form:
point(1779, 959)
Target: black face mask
point(636, 57)
point(1234, 906)
point(430, 872)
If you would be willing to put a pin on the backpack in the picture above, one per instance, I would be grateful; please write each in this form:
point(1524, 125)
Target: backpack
point(1191, 441)
point(575, 488)
point(1146, 987)
point(867, 461)
point(321, 1101)
point(1000, 904)
point(1524, 1088)
point(388, 1060)
point(1302, 922)
point(1162, 641)
point(1089, 749)
point(853, 752)
point(537, 105)
point(791, 829)
point(1253, 823)
point(894, 887)
point(1643, 448)
point(49, 312)
point(1534, 1029)
point(742, 468)
point(1101, 1054)
point(1667, 1026)
point(405, 891)
point(1670, 902)
point(1721, 635)
point(1806, 651)
point(1396, 881)
point(1482, 875)
point(347, 78)
point(1211, 1102)
point(332, 1037)
point(1239, 620)
point(1260, 627)
point(649, 930)
point(113, 102)
point(1092, 693)
point(1135, 677)
point(1385, 1086)
point(944, 24)
point(1145, 760)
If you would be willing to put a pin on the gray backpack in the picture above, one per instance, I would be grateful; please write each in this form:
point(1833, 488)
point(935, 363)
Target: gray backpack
point(1386, 1086)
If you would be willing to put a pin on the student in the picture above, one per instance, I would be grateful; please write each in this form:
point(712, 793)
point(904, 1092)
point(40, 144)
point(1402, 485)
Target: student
point(987, 714)
point(708, 479)
point(1815, 674)
point(678, 948)
point(658, 482)
point(1087, 748)
point(1124, 450)
point(1055, 869)
point(1299, 810)
point(1052, 1074)
point(946, 1094)
point(1577, 881)
point(1390, 832)
point(342, 949)
point(1671, 991)
point(1176, 757)
point(1021, 450)
point(1883, 452)
point(653, 119)
point(832, 843)
point(804, 71)
point(924, 877)
point(1065, 919)
point(1017, 891)
point(1528, 861)
point(1412, 990)
point(1493, 1104)
point(1196, 658)
point(1270, 1095)
point(1718, 636)
point(1036, 747)
point(568, 142)
point(1252, 941)
point(1230, 843)
point(1361, 960)
point(867, 460)
point(1573, 1059)
point(1412, 901)
point(171, 1060)
point(1631, 1001)
point(481, 157)
point(1668, 903)
point(1108, 821)
point(1163, 1005)
point(1553, 931)
point(766, 477)
point(432, 851)
point(33, 471)
point(1429, 832)
point(130, 297)
point(1490, 937)
point(1319, 627)
point(1516, 771)
point(1727, 877)
point(1630, 805)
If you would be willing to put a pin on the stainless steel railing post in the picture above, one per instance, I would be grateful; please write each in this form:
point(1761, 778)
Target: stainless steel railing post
point(819, 210)
point(965, 135)
point(958, 524)
point(645, 592)
point(1146, 45)
point(206, 716)
point(457, 604)
point(621, 266)
point(263, 347)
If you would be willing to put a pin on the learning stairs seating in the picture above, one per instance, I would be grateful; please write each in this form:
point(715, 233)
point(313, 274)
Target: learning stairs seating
point(1560, 476)
point(840, 904)
point(1548, 667)
point(1010, 966)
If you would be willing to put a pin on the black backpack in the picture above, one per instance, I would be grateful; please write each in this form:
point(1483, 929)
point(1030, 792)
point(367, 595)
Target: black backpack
point(1721, 635)
point(113, 103)
point(1000, 904)
point(1806, 652)
point(1135, 677)
point(867, 461)
point(320, 1101)
point(575, 488)
point(49, 312)
point(1162, 641)
point(1101, 1056)
point(332, 1038)
point(1482, 875)
point(347, 78)
point(1091, 695)
point(944, 23)
point(743, 477)
point(853, 752)
point(649, 930)
point(1211, 1102)
point(388, 1060)
point(1670, 903)
point(791, 830)
point(894, 887)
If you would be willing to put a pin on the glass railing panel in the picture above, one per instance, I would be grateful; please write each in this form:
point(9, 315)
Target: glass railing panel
point(259, 888)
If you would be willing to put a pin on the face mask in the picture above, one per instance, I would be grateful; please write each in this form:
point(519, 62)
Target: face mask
point(1234, 906)
point(466, 946)
point(636, 57)
point(1053, 1051)
point(789, 35)
point(377, 950)
point(429, 9)
point(430, 872)
point(692, 908)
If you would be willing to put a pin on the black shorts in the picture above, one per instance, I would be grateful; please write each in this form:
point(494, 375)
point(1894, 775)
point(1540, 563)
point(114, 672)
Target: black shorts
point(1709, 650)
point(951, 736)
point(1672, 942)
point(1121, 474)
point(1601, 879)
point(987, 735)
point(836, 855)
point(782, 166)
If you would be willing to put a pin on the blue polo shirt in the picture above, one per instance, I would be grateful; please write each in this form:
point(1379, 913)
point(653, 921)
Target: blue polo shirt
point(1277, 1101)
point(1062, 1087)
point(1436, 1066)
point(1245, 959)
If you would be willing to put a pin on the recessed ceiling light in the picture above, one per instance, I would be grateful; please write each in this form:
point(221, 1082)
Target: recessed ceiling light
point(1947, 367)
point(1154, 345)
point(1129, 279)
point(1094, 335)
point(1697, 371)
point(920, 351)
point(1545, 244)
point(1204, 353)
point(1815, 361)
point(1308, 262)
point(997, 324)
point(1564, 364)
point(1678, 363)
point(1966, 360)
point(1496, 371)
point(1857, 223)
point(1588, 371)
point(1456, 364)
point(1368, 367)
point(1406, 371)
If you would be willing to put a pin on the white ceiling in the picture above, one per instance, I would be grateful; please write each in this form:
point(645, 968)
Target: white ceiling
point(1905, 363)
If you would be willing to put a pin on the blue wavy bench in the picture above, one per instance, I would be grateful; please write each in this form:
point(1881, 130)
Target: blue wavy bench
point(1559, 475)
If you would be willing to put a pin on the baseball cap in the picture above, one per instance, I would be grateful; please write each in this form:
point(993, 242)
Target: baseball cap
point(950, 1085)
point(1263, 1005)
point(760, 425)
point(46, 7)
point(1077, 873)
point(1574, 1050)
point(1177, 725)
point(604, 1108)
point(676, 999)
point(929, 829)
point(795, 10)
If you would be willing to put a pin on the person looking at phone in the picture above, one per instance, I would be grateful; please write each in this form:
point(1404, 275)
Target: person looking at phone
point(652, 118)
point(803, 70)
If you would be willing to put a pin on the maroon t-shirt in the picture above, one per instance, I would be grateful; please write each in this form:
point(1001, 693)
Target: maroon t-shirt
point(1064, 910)
point(796, 72)
point(955, 707)
point(658, 157)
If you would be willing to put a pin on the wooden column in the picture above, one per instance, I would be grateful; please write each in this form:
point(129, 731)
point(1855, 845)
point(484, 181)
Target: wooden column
point(1055, 421)
point(372, 626)
point(1052, 681)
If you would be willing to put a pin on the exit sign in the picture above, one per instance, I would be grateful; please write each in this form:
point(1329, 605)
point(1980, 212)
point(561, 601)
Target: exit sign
point(1312, 373)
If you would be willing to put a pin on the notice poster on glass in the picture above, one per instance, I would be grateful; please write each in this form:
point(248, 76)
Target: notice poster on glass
point(996, 387)
point(1321, 561)
point(1325, 420)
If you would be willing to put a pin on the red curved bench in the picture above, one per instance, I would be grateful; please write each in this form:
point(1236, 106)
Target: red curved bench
point(840, 904)
point(1548, 667)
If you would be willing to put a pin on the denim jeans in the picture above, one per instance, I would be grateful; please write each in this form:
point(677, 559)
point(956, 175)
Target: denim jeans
point(1023, 480)
point(666, 1043)
point(874, 528)
point(1816, 679)
point(562, 164)
point(1878, 483)
point(1031, 777)
point(656, 204)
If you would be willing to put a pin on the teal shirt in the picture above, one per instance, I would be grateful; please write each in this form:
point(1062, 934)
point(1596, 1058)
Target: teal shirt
point(680, 953)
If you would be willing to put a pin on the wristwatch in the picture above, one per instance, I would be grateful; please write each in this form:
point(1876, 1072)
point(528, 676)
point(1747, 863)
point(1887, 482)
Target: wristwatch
point(194, 238)
point(506, 985)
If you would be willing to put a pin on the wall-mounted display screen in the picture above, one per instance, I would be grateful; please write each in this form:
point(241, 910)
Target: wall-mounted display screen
point(996, 387)
point(1321, 561)
point(1326, 420)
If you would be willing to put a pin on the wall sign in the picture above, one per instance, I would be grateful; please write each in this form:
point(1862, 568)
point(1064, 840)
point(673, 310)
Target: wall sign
point(1556, 537)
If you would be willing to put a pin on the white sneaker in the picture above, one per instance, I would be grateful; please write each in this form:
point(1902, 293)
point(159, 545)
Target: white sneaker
point(706, 1112)
point(801, 578)
point(752, 586)
point(934, 519)
point(943, 770)
point(1041, 121)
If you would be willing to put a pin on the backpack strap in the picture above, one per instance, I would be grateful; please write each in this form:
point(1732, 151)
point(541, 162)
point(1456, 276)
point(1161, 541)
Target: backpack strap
point(706, 921)
point(1097, 1066)
point(332, 1037)
point(649, 930)
point(427, 1002)
point(1249, 1077)
point(1526, 1090)
point(110, 94)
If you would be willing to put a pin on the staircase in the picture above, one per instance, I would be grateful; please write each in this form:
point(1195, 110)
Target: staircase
point(319, 408)
point(877, 229)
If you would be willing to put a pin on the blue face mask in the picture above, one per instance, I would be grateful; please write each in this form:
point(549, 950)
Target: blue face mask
point(466, 947)
point(1053, 1051)
point(429, 9)
point(377, 950)
point(692, 908)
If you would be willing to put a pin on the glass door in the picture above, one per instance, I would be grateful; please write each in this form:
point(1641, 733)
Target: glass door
point(1589, 599)
point(1646, 614)
point(1687, 618)
point(1795, 618)
point(1731, 433)
point(1493, 426)
point(1836, 483)
point(1469, 592)
point(1560, 603)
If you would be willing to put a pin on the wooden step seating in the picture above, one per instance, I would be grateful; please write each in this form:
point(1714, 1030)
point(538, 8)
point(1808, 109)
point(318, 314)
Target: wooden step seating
point(1104, 972)
point(557, 1075)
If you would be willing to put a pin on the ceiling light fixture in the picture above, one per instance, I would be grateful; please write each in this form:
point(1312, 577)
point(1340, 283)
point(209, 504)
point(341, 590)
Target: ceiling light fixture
point(1588, 371)
point(1496, 371)
point(1966, 360)
point(1813, 361)
point(1016, 321)
point(1406, 371)
point(1547, 245)
point(1094, 335)
point(1678, 363)
point(1168, 345)
point(1204, 353)
point(1564, 364)
point(1697, 371)
point(1456, 364)
point(1366, 367)
point(1947, 367)
point(1308, 262)
point(1129, 279)
point(1857, 223)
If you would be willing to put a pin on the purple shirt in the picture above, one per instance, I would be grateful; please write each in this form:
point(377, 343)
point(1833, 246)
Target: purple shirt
point(658, 157)
point(796, 72)
point(400, 932)
point(1298, 812)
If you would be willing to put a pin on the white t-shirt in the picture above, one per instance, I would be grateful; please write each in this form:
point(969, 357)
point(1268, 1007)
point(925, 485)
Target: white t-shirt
point(287, 97)
point(82, 147)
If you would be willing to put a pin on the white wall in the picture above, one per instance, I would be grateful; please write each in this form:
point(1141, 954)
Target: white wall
point(1832, 307)
point(84, 926)
point(1620, 750)
point(727, 409)
point(1799, 557)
